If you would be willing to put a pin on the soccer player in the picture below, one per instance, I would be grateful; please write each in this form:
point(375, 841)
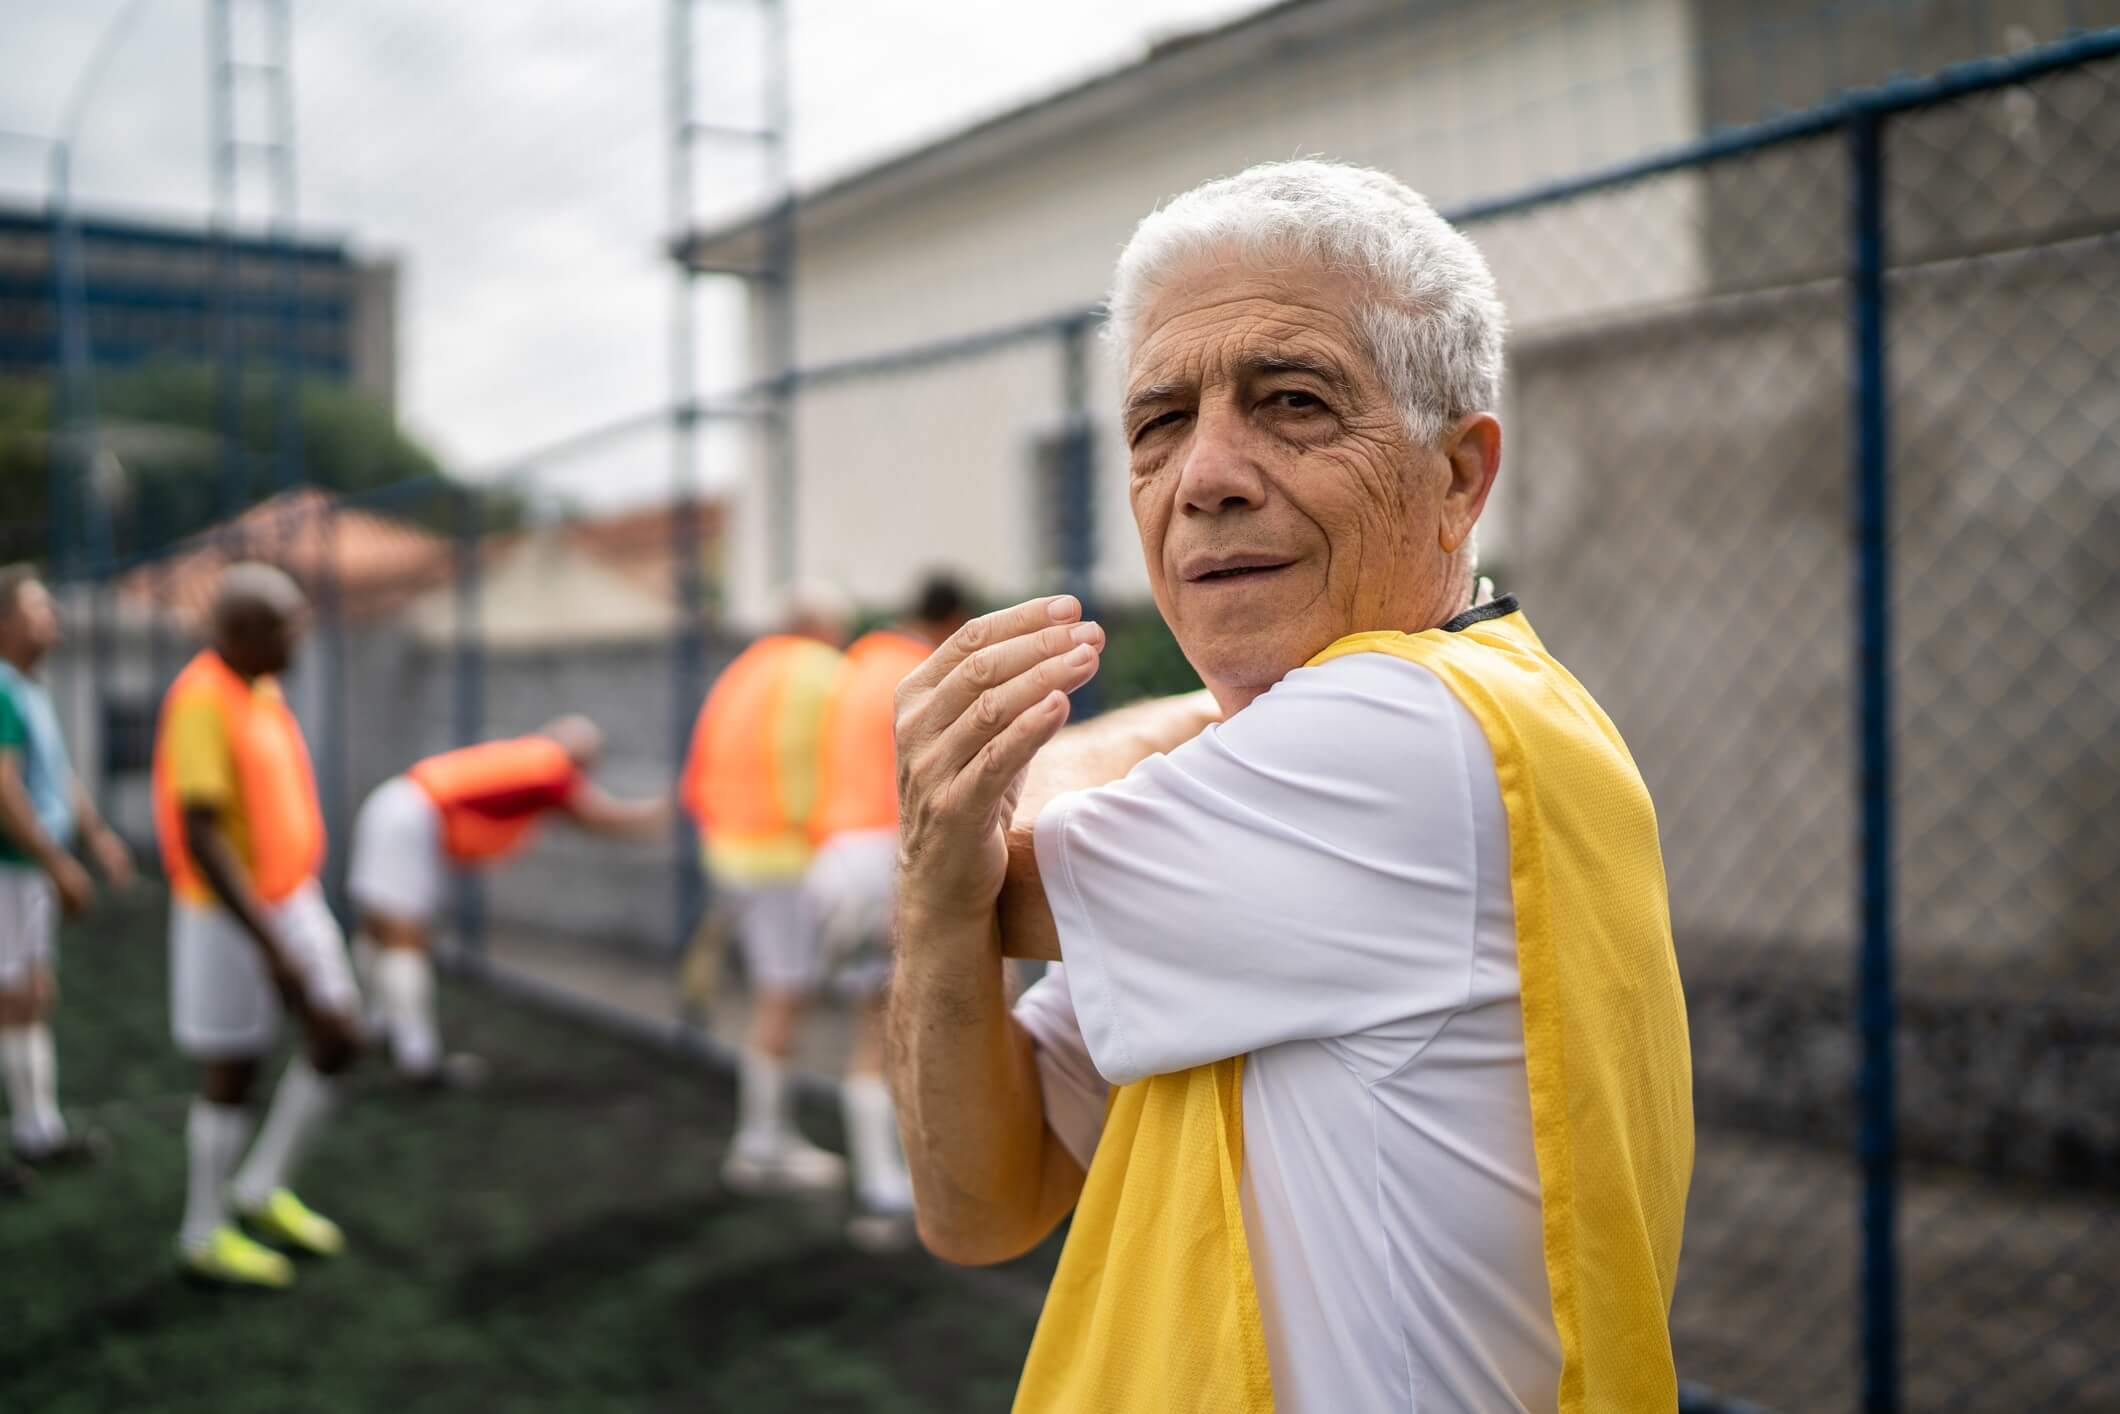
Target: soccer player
point(250, 936)
point(466, 809)
point(855, 827)
point(750, 783)
point(42, 809)
point(1366, 1076)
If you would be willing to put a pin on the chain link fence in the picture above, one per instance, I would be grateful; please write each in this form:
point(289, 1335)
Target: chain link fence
point(1813, 477)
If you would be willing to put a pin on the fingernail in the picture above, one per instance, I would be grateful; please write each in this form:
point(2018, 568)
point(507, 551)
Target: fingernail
point(1064, 608)
point(1081, 655)
point(1086, 633)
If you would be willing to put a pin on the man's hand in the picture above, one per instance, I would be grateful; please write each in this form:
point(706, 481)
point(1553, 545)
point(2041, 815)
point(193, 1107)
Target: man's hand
point(75, 889)
point(969, 720)
point(334, 1037)
point(113, 860)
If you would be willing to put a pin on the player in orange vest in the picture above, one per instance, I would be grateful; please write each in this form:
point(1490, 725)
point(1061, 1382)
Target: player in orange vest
point(855, 830)
point(250, 935)
point(750, 783)
point(470, 808)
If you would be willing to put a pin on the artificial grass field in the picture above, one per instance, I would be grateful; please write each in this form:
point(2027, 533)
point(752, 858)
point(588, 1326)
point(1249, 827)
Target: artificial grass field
point(555, 1241)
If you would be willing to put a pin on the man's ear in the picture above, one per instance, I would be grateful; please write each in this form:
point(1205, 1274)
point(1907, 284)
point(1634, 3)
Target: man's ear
point(1473, 451)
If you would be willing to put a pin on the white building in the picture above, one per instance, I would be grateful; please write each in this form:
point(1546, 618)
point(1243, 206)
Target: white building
point(1674, 499)
point(1017, 219)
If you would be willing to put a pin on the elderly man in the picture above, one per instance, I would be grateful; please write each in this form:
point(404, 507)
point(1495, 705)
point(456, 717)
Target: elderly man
point(750, 784)
point(471, 808)
point(250, 936)
point(1380, 962)
point(43, 812)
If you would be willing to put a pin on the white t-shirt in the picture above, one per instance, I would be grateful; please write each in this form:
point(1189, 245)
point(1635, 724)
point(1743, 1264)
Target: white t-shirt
point(1322, 884)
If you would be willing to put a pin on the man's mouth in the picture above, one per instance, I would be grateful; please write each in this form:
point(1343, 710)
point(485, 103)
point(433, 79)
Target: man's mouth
point(1234, 567)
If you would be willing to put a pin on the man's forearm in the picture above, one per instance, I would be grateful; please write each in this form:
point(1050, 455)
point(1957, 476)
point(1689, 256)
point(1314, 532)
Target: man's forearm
point(989, 1178)
point(231, 887)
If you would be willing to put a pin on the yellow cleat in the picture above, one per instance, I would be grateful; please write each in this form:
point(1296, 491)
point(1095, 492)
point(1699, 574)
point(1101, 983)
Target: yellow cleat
point(234, 1260)
point(289, 1222)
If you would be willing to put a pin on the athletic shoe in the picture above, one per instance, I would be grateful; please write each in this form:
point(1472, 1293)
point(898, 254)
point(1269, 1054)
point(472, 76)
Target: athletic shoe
point(231, 1259)
point(790, 1166)
point(457, 1071)
point(286, 1221)
point(79, 1149)
point(882, 1233)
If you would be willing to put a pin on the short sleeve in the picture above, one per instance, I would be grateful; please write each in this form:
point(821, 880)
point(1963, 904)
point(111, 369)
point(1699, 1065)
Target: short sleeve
point(1075, 1094)
point(14, 729)
point(201, 765)
point(1304, 871)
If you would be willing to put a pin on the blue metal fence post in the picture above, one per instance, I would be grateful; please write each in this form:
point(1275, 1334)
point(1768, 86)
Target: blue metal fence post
point(1873, 676)
point(1078, 499)
point(470, 706)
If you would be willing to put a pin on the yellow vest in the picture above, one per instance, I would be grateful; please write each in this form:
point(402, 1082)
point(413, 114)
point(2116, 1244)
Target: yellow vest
point(1153, 1307)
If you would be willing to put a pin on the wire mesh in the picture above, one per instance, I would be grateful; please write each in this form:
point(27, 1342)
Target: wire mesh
point(1675, 513)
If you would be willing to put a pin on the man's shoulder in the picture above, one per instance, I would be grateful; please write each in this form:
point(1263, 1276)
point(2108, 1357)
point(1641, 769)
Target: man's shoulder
point(1356, 713)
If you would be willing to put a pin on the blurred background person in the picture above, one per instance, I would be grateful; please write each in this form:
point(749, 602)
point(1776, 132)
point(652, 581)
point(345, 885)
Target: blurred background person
point(242, 840)
point(43, 812)
point(855, 827)
point(471, 808)
point(750, 783)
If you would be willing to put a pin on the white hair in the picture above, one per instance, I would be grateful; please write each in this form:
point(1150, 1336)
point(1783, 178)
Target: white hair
point(1429, 312)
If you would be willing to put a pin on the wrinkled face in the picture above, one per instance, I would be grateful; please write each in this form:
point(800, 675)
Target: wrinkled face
point(1281, 501)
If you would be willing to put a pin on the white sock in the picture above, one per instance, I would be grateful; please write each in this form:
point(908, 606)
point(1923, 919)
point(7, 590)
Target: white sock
point(31, 1071)
point(213, 1137)
point(299, 1108)
point(365, 954)
point(404, 989)
point(764, 1103)
point(872, 1140)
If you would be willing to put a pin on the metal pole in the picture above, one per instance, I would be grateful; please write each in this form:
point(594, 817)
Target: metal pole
point(687, 676)
point(287, 441)
point(1873, 674)
point(332, 724)
point(67, 427)
point(779, 289)
point(221, 141)
point(470, 699)
point(1078, 500)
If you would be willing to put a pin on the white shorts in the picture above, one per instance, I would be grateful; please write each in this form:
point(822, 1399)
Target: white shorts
point(778, 933)
point(222, 1004)
point(29, 916)
point(396, 868)
point(851, 884)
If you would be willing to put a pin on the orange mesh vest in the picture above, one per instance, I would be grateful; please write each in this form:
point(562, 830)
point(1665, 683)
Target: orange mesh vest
point(857, 785)
point(751, 778)
point(286, 825)
point(467, 784)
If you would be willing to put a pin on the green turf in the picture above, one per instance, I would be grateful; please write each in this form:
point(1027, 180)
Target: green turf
point(556, 1241)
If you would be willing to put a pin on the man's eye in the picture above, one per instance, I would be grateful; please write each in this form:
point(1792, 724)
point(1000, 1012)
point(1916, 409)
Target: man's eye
point(1296, 400)
point(1160, 420)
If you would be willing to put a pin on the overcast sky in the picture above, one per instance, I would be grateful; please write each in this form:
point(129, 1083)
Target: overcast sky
point(512, 156)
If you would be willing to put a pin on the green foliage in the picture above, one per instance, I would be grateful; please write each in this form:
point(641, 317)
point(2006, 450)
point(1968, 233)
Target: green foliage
point(164, 421)
point(1141, 659)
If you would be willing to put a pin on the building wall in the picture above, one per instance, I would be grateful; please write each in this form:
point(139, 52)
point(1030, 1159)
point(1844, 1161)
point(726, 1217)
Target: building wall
point(152, 293)
point(1460, 99)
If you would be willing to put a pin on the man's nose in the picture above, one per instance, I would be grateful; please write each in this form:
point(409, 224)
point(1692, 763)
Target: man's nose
point(1220, 473)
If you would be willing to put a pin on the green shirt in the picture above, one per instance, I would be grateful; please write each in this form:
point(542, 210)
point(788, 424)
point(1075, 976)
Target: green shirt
point(29, 731)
